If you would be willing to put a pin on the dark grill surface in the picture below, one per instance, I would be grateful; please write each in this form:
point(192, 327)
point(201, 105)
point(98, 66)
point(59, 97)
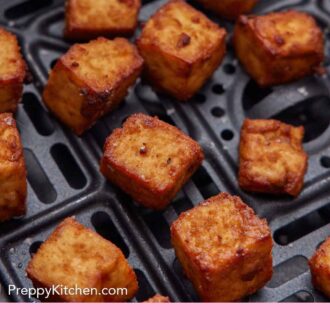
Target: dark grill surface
point(64, 178)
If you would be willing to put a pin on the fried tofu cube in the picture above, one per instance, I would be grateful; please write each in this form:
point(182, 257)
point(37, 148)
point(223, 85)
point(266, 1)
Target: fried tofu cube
point(150, 160)
point(76, 257)
point(90, 80)
point(278, 48)
point(12, 72)
point(320, 268)
point(13, 186)
point(89, 19)
point(229, 9)
point(224, 248)
point(272, 158)
point(158, 299)
point(181, 48)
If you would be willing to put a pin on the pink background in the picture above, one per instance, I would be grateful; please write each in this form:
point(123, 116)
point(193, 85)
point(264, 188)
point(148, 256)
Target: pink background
point(164, 316)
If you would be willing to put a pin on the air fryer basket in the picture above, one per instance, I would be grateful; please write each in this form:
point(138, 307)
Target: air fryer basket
point(64, 178)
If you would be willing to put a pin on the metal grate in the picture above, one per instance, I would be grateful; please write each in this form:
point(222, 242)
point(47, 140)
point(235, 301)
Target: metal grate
point(64, 177)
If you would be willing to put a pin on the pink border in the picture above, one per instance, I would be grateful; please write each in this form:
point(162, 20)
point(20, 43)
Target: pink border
point(161, 316)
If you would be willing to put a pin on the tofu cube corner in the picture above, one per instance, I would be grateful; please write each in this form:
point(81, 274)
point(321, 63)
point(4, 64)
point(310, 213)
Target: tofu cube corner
point(229, 9)
point(73, 257)
point(89, 19)
point(279, 47)
point(158, 299)
point(181, 48)
point(12, 72)
point(224, 248)
point(319, 266)
point(13, 184)
point(150, 160)
point(272, 158)
point(90, 80)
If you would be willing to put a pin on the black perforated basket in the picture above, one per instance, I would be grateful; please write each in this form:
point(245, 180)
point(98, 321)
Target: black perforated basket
point(64, 178)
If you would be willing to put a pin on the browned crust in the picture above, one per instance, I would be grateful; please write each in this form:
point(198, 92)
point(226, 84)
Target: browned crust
point(158, 299)
point(20, 73)
point(13, 93)
point(253, 265)
point(249, 22)
point(11, 87)
point(207, 52)
point(293, 182)
point(240, 206)
point(80, 33)
point(320, 269)
point(13, 170)
point(277, 64)
point(94, 103)
point(229, 9)
point(65, 62)
point(201, 63)
point(131, 182)
point(186, 70)
point(71, 221)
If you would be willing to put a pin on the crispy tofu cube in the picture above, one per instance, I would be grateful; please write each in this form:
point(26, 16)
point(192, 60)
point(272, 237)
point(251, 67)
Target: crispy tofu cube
point(150, 160)
point(89, 19)
point(272, 158)
point(76, 257)
point(278, 48)
point(224, 248)
point(181, 48)
point(90, 80)
point(229, 9)
point(12, 72)
point(320, 268)
point(158, 299)
point(13, 186)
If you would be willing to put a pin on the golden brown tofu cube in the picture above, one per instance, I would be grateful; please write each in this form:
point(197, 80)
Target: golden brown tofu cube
point(90, 80)
point(150, 160)
point(89, 19)
point(76, 257)
point(272, 158)
point(224, 248)
point(12, 72)
point(279, 47)
point(320, 268)
point(13, 186)
point(158, 299)
point(181, 48)
point(229, 9)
